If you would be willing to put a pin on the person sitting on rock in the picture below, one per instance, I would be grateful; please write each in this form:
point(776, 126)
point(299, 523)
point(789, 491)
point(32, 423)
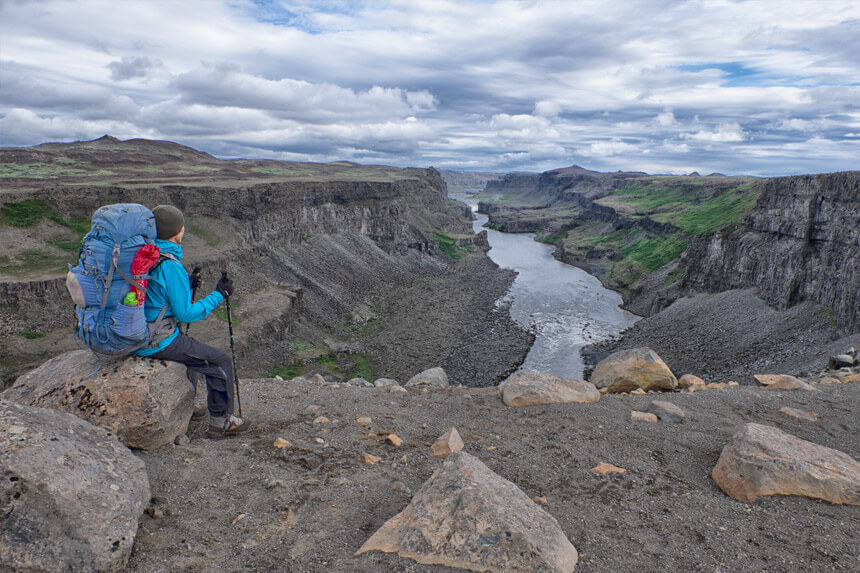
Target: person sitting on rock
point(169, 284)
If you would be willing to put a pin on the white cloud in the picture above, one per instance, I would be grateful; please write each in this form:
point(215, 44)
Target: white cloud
point(726, 132)
point(509, 85)
point(609, 148)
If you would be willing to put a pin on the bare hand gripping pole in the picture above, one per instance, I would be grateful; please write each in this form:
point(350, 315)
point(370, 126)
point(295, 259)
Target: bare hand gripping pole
point(232, 350)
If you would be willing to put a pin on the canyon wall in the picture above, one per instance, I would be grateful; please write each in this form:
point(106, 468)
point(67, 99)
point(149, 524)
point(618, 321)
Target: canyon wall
point(315, 262)
point(801, 242)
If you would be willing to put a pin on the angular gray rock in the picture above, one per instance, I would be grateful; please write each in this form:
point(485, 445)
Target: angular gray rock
point(667, 411)
point(467, 516)
point(433, 377)
point(628, 370)
point(146, 403)
point(70, 496)
point(840, 361)
point(531, 389)
point(762, 460)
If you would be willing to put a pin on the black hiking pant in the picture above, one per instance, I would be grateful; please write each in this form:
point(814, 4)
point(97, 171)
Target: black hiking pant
point(212, 363)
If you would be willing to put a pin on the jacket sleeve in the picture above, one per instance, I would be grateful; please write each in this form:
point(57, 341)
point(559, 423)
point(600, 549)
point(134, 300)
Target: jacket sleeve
point(179, 295)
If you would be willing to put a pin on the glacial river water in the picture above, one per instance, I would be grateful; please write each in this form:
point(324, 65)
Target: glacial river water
point(567, 307)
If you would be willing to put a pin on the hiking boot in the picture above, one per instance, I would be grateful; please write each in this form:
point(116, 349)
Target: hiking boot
point(199, 413)
point(220, 427)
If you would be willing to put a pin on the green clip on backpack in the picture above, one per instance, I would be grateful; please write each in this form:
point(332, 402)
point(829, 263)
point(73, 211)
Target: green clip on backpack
point(108, 296)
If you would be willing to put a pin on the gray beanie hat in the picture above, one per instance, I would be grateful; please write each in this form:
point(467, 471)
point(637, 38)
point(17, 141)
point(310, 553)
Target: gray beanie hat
point(168, 221)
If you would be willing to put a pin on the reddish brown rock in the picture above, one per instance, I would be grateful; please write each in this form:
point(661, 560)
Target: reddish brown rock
point(643, 416)
point(604, 468)
point(628, 370)
point(531, 389)
point(781, 382)
point(761, 460)
point(146, 403)
point(448, 443)
point(799, 414)
point(468, 517)
point(691, 383)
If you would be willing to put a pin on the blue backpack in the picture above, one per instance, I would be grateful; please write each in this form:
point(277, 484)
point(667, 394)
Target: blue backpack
point(110, 317)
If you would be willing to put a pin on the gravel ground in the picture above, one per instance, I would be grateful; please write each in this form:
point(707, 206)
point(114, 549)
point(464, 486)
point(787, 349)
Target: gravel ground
point(242, 504)
point(733, 335)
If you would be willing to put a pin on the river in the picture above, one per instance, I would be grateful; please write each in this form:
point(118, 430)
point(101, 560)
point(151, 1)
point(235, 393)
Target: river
point(566, 307)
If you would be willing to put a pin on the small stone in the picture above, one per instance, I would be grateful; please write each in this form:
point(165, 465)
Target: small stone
point(638, 392)
point(279, 378)
point(154, 512)
point(667, 411)
point(716, 386)
point(281, 443)
point(273, 483)
point(781, 382)
point(840, 361)
point(399, 486)
point(394, 439)
point(313, 408)
point(800, 414)
point(368, 459)
point(540, 499)
point(364, 420)
point(433, 377)
point(643, 417)
point(319, 440)
point(321, 420)
point(385, 382)
point(691, 382)
point(829, 380)
point(182, 440)
point(448, 443)
point(397, 389)
point(318, 380)
point(238, 518)
point(604, 468)
point(492, 448)
point(733, 383)
point(847, 377)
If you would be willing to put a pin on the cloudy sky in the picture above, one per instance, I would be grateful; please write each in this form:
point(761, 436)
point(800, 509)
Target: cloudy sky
point(766, 87)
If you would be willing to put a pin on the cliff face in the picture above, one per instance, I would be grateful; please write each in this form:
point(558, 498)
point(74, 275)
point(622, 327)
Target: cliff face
point(801, 242)
point(798, 241)
point(314, 262)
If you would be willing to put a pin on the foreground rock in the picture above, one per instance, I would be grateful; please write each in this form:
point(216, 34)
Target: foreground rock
point(531, 389)
point(781, 382)
point(146, 403)
point(466, 516)
point(761, 460)
point(628, 370)
point(71, 493)
point(433, 378)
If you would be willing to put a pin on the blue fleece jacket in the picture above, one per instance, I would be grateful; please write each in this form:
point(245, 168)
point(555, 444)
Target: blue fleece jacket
point(169, 284)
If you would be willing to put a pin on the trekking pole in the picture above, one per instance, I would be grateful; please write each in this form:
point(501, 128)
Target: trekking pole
point(232, 350)
point(195, 282)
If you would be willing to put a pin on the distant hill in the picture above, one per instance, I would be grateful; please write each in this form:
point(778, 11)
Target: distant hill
point(108, 160)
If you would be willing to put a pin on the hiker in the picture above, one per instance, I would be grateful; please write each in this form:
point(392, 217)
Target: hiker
point(169, 285)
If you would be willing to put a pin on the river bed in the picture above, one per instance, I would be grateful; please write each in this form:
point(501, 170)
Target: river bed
point(565, 306)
